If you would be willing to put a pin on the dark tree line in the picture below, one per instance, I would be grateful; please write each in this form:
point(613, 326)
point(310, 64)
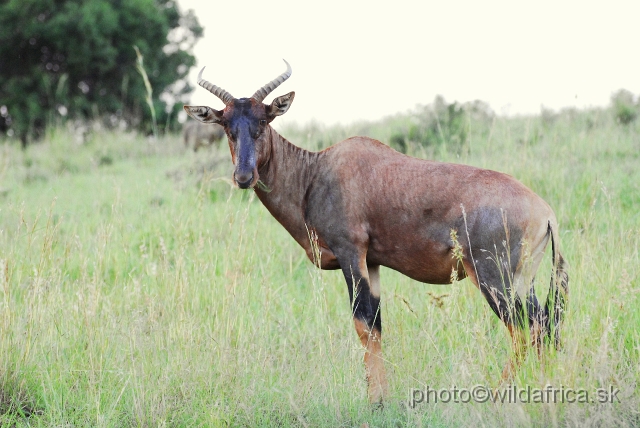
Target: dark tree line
point(75, 59)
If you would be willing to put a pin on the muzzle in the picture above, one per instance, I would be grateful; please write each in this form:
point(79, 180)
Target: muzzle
point(246, 178)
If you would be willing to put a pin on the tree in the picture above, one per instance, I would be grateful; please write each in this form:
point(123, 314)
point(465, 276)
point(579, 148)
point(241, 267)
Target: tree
point(63, 59)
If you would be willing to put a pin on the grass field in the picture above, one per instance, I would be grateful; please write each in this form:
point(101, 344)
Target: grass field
point(139, 288)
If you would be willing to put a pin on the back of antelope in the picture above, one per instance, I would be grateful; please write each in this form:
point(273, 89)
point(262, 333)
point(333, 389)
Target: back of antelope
point(198, 134)
point(366, 205)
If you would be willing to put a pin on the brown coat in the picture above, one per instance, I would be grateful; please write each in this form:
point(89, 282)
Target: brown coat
point(362, 205)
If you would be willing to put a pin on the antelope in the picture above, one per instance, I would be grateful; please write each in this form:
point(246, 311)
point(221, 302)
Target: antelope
point(197, 134)
point(362, 205)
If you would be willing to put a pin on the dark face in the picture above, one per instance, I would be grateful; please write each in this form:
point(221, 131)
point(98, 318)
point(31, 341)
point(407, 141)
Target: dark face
point(245, 123)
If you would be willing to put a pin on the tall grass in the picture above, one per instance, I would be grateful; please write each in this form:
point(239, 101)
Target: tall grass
point(138, 288)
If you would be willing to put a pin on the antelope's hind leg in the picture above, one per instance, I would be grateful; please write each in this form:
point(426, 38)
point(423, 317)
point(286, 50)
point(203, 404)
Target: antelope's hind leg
point(364, 291)
point(503, 290)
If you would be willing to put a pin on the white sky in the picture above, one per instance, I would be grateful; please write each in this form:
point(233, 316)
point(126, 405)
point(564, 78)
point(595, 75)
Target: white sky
point(357, 60)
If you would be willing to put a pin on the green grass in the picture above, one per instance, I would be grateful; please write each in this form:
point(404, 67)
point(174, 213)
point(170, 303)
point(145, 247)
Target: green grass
point(138, 288)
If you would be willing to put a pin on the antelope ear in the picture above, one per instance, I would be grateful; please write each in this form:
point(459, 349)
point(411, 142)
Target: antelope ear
point(279, 106)
point(204, 114)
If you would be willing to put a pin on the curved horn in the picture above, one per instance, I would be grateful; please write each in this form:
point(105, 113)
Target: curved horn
point(225, 96)
point(262, 93)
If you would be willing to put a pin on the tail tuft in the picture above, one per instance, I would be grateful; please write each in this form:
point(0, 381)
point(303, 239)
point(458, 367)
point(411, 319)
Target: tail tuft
point(558, 295)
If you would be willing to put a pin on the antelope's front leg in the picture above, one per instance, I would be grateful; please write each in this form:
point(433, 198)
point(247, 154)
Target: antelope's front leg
point(364, 291)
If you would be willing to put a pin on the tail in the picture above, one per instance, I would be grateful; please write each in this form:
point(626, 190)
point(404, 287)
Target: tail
point(558, 293)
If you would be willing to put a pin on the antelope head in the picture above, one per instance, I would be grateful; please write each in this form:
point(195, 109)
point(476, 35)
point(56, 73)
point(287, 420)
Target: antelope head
point(246, 122)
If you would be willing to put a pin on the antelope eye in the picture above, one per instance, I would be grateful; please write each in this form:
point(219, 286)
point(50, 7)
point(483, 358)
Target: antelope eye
point(263, 122)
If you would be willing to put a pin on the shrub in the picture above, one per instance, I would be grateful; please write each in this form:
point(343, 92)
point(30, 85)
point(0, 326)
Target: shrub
point(624, 109)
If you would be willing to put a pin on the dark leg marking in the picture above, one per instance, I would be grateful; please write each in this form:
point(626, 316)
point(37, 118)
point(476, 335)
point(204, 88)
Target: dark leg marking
point(368, 323)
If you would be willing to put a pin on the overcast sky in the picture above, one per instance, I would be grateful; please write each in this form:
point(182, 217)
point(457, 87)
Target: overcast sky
point(355, 60)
